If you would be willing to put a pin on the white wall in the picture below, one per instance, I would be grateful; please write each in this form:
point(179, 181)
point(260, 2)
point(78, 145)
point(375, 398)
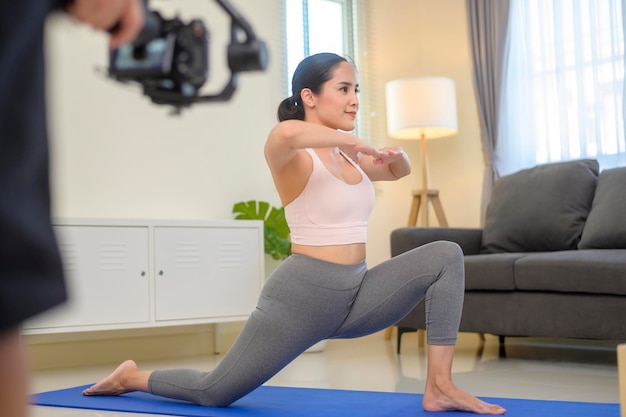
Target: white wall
point(115, 154)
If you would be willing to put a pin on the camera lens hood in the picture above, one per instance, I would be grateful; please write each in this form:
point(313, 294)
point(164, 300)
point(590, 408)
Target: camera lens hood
point(247, 56)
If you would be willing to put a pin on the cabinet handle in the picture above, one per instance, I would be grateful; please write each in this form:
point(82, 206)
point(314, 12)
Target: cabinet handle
point(143, 273)
point(160, 272)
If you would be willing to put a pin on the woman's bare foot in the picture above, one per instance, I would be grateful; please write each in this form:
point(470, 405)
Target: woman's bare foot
point(446, 397)
point(114, 383)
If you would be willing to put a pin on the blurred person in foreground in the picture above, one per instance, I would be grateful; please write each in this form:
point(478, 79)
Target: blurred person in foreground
point(31, 275)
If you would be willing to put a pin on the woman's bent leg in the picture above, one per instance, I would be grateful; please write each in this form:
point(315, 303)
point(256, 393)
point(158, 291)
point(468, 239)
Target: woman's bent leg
point(263, 348)
point(393, 288)
point(303, 302)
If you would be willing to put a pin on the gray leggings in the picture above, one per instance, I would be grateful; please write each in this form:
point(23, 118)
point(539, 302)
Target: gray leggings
point(307, 300)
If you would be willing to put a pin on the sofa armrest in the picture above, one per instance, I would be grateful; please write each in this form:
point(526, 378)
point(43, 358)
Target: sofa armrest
point(407, 238)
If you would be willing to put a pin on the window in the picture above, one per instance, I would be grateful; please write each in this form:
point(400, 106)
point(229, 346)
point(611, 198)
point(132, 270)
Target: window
point(314, 26)
point(563, 97)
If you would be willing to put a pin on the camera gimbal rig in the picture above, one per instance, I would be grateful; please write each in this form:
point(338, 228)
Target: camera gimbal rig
point(169, 58)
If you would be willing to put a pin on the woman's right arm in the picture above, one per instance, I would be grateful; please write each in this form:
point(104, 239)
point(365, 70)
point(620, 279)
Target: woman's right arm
point(288, 136)
point(290, 168)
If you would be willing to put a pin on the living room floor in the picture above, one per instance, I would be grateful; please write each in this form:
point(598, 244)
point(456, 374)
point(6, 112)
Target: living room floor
point(550, 369)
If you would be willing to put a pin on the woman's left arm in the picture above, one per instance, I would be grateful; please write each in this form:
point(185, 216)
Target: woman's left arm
point(392, 165)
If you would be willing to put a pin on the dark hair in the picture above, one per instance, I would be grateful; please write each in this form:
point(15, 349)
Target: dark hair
point(312, 72)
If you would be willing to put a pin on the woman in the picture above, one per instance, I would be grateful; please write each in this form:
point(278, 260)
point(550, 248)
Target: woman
point(324, 289)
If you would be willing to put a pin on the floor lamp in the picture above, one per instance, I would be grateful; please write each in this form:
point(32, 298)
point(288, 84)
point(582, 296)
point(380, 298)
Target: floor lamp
point(422, 108)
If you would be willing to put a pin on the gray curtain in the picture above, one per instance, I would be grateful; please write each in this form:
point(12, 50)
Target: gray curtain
point(488, 22)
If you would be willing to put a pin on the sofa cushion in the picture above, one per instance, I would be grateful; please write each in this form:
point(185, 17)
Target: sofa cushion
point(605, 227)
point(587, 271)
point(540, 209)
point(490, 272)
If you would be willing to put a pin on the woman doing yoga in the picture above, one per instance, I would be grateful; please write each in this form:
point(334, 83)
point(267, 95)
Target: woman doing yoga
point(324, 290)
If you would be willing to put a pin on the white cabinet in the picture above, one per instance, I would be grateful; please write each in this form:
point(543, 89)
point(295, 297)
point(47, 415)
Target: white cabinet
point(133, 273)
point(107, 277)
point(204, 272)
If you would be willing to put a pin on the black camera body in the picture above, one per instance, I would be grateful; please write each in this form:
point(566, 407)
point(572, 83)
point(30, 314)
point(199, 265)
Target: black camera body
point(170, 58)
point(175, 60)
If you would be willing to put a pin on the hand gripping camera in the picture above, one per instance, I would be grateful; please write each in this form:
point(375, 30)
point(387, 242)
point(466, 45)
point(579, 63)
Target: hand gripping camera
point(170, 58)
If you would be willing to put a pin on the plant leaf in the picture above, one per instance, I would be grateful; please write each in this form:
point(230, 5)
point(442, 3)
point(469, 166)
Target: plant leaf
point(251, 210)
point(277, 220)
point(275, 228)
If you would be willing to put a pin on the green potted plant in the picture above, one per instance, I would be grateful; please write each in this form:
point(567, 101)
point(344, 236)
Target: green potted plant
point(276, 232)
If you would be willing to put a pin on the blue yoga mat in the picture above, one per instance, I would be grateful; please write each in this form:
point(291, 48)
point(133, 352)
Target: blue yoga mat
point(268, 401)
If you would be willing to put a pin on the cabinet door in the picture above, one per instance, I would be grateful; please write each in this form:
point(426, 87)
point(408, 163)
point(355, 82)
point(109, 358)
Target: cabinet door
point(107, 277)
point(206, 272)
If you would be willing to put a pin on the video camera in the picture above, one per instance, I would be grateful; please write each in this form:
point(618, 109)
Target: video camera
point(170, 58)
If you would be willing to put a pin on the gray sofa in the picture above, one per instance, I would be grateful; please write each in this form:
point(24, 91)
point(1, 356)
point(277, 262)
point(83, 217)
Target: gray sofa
point(550, 260)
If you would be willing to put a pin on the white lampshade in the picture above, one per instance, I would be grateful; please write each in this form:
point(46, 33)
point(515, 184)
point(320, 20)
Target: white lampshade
point(421, 105)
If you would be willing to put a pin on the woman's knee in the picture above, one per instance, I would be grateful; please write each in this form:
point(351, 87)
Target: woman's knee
point(446, 250)
point(216, 403)
point(216, 398)
point(451, 264)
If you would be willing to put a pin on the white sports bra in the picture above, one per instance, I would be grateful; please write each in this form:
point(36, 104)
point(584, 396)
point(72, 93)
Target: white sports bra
point(329, 211)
